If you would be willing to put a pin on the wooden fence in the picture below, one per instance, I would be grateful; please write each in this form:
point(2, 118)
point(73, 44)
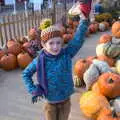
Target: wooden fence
point(18, 25)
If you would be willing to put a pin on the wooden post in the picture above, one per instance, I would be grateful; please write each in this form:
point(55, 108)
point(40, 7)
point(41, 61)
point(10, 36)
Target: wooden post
point(65, 8)
point(54, 12)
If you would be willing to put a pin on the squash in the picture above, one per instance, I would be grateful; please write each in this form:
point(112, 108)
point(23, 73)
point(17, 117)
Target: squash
point(23, 60)
point(92, 103)
point(105, 38)
point(100, 49)
point(109, 60)
point(109, 84)
point(80, 67)
point(102, 27)
point(116, 29)
point(14, 48)
point(108, 114)
point(8, 62)
point(118, 66)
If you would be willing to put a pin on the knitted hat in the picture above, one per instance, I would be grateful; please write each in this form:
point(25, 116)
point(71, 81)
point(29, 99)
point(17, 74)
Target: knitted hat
point(48, 30)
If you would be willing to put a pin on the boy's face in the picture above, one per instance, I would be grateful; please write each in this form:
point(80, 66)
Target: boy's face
point(53, 46)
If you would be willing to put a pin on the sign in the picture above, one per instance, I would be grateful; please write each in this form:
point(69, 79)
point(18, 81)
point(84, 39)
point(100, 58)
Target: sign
point(9, 2)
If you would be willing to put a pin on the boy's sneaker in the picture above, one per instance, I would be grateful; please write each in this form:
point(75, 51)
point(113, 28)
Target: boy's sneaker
point(82, 8)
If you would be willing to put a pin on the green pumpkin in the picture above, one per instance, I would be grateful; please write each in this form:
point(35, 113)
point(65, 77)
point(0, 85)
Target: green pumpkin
point(112, 50)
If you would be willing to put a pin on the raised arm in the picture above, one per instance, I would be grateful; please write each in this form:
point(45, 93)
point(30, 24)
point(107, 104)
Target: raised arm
point(76, 43)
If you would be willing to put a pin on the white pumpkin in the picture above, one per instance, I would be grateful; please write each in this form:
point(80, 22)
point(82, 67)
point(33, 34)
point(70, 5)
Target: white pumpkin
point(100, 49)
point(118, 66)
point(97, 68)
point(102, 27)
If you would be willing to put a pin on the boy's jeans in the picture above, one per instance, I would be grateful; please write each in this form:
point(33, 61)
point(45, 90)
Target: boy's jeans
point(58, 111)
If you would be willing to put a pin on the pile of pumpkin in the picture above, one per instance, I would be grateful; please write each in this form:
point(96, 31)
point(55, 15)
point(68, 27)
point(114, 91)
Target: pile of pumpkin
point(101, 76)
point(14, 54)
point(69, 28)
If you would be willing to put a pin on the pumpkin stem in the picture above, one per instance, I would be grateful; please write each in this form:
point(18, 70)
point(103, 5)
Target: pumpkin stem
point(110, 80)
point(114, 115)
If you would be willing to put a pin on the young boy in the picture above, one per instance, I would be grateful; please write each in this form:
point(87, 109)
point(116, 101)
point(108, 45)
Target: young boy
point(54, 70)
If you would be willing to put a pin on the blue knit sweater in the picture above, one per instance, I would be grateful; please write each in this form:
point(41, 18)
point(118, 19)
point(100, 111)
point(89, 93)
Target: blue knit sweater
point(58, 69)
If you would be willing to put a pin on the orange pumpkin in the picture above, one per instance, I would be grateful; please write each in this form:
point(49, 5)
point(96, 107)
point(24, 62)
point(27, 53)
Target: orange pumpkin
point(32, 34)
point(14, 48)
point(10, 42)
point(105, 38)
point(116, 29)
point(95, 88)
point(23, 60)
point(25, 46)
point(108, 114)
point(91, 58)
point(92, 28)
point(67, 37)
point(70, 30)
point(70, 21)
point(8, 62)
point(109, 84)
point(2, 53)
point(80, 67)
point(107, 59)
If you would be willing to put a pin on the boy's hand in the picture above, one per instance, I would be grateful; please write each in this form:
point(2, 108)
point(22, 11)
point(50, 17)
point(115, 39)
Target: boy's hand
point(34, 99)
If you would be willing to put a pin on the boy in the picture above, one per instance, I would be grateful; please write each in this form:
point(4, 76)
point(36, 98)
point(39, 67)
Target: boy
point(54, 69)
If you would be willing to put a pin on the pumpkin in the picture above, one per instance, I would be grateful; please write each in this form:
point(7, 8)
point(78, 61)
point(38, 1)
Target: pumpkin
point(62, 30)
point(109, 60)
point(105, 38)
point(90, 76)
point(109, 84)
point(23, 60)
point(92, 28)
point(70, 21)
point(100, 49)
point(108, 114)
point(95, 88)
point(67, 37)
point(112, 50)
point(22, 40)
point(78, 82)
point(70, 30)
point(102, 27)
point(116, 105)
point(25, 46)
point(91, 58)
point(92, 73)
point(118, 66)
point(92, 103)
point(32, 34)
point(116, 29)
point(14, 48)
point(106, 25)
point(75, 24)
point(96, 26)
point(80, 67)
point(10, 42)
point(8, 62)
point(2, 53)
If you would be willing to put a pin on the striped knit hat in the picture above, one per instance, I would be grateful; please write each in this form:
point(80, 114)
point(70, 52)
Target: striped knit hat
point(48, 30)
